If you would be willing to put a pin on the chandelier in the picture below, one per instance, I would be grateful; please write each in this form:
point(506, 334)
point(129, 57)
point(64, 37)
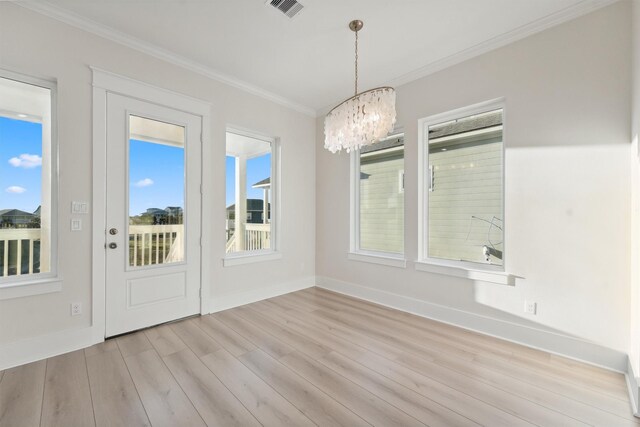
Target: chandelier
point(362, 119)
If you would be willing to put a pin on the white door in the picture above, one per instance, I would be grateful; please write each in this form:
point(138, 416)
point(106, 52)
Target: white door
point(153, 214)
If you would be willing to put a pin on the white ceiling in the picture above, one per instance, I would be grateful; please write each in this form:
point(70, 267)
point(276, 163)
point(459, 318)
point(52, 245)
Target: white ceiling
point(307, 61)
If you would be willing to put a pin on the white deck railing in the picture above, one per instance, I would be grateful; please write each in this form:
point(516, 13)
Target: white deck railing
point(256, 237)
point(155, 244)
point(18, 251)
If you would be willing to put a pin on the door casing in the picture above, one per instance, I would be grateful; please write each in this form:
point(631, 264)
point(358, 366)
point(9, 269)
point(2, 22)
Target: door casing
point(105, 82)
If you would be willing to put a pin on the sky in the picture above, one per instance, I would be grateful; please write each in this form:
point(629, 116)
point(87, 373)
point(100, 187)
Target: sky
point(20, 164)
point(156, 176)
point(258, 169)
point(156, 171)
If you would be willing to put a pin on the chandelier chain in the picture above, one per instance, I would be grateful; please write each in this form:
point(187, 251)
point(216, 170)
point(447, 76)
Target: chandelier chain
point(356, 83)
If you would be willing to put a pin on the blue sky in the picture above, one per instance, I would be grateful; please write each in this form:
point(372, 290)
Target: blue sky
point(156, 173)
point(156, 177)
point(258, 169)
point(20, 164)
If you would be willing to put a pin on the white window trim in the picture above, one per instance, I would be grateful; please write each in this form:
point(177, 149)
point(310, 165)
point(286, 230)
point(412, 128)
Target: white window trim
point(355, 252)
point(273, 253)
point(471, 270)
point(40, 283)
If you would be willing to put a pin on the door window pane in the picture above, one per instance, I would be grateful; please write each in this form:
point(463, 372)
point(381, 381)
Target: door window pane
point(156, 192)
point(466, 189)
point(381, 178)
point(25, 179)
point(249, 194)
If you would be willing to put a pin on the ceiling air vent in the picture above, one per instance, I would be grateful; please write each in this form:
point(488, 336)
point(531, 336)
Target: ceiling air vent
point(289, 7)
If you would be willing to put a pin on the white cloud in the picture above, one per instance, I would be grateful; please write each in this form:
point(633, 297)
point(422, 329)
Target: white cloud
point(26, 161)
point(14, 189)
point(144, 183)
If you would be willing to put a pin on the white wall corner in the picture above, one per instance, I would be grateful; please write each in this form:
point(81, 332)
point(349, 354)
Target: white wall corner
point(226, 302)
point(29, 350)
point(563, 345)
point(632, 387)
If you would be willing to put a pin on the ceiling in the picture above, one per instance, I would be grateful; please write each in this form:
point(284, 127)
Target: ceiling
point(307, 62)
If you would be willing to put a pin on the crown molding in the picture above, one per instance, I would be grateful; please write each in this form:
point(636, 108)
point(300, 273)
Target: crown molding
point(80, 22)
point(557, 18)
point(75, 20)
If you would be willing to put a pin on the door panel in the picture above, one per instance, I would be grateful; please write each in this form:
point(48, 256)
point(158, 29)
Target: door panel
point(153, 214)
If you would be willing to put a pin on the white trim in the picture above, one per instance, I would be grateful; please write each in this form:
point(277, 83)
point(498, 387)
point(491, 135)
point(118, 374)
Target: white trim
point(378, 258)
point(25, 289)
point(498, 277)
point(557, 18)
point(54, 166)
point(109, 33)
point(632, 387)
point(552, 342)
point(249, 257)
point(29, 350)
point(106, 82)
point(247, 297)
point(435, 265)
point(123, 85)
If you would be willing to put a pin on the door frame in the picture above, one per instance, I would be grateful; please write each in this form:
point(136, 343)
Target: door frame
point(105, 82)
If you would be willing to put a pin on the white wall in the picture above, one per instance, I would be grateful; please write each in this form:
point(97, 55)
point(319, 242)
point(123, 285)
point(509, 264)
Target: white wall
point(35, 45)
point(634, 346)
point(568, 222)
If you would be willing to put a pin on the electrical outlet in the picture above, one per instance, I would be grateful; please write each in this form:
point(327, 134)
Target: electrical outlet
point(76, 308)
point(530, 307)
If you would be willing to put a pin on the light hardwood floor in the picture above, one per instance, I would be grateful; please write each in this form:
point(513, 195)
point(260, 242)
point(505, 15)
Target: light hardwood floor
point(308, 358)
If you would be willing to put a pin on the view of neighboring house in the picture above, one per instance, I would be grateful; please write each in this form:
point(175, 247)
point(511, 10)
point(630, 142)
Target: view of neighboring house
point(258, 238)
point(254, 211)
point(16, 218)
point(157, 216)
point(382, 196)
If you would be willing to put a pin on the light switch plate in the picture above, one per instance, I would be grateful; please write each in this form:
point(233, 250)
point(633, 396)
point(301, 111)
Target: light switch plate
point(79, 207)
point(76, 224)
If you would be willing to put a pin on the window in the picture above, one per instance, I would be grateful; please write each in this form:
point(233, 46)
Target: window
point(378, 199)
point(463, 188)
point(250, 193)
point(27, 172)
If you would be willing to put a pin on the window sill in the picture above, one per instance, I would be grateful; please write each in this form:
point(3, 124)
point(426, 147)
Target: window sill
point(249, 258)
point(498, 277)
point(388, 260)
point(30, 288)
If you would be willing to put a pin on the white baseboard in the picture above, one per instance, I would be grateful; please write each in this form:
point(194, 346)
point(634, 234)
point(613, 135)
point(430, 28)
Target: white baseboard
point(37, 348)
point(632, 387)
point(241, 298)
point(564, 345)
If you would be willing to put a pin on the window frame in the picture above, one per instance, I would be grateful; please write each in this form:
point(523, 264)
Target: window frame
point(356, 253)
point(472, 270)
point(274, 252)
point(40, 283)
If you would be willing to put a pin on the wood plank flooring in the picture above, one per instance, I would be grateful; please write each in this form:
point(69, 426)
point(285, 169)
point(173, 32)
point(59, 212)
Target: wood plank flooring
point(308, 358)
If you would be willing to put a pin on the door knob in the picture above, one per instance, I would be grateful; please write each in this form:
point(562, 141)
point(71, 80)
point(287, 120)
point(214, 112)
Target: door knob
point(113, 231)
point(113, 245)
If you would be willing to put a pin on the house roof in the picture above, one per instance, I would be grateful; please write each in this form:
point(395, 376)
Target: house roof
point(467, 124)
point(383, 145)
point(265, 183)
point(14, 213)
